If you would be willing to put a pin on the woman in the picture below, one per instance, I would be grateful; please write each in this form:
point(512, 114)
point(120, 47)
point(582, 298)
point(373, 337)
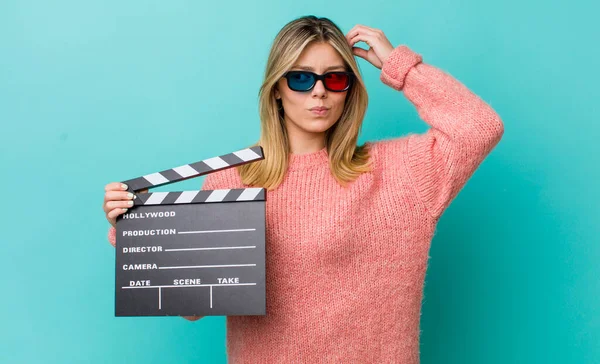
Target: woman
point(348, 227)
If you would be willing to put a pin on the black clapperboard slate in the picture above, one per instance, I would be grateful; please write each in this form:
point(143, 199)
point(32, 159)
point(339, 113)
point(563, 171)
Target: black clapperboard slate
point(192, 252)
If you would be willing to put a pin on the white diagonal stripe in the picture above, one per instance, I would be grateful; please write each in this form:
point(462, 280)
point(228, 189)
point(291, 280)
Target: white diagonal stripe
point(246, 154)
point(186, 196)
point(249, 194)
point(216, 163)
point(156, 198)
point(185, 171)
point(156, 178)
point(217, 195)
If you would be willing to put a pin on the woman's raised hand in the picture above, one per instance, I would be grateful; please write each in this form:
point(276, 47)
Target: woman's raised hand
point(379, 46)
point(117, 201)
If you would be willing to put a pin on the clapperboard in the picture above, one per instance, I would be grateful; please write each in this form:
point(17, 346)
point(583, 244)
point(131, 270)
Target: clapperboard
point(192, 252)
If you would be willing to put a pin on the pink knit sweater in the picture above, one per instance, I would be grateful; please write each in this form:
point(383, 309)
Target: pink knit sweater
point(345, 267)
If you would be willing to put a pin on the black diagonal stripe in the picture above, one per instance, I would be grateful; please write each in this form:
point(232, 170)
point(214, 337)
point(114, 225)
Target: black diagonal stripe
point(170, 198)
point(261, 196)
point(258, 150)
point(232, 159)
point(171, 175)
point(201, 196)
point(201, 167)
point(233, 195)
point(141, 198)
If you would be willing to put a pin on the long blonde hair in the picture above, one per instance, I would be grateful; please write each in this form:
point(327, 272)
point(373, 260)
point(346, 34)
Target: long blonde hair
point(346, 160)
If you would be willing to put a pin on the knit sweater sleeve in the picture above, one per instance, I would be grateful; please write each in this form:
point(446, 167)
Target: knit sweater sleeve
point(213, 181)
point(464, 129)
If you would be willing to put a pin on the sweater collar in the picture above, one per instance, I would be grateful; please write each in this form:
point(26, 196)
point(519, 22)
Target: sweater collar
point(306, 160)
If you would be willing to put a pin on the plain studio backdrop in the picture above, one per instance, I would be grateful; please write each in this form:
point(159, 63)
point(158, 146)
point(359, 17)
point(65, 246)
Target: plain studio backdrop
point(94, 92)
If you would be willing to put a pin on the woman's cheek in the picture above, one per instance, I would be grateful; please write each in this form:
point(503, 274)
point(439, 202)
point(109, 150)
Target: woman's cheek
point(339, 108)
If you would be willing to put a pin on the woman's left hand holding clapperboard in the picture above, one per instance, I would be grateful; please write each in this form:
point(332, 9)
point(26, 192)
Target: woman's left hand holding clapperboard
point(116, 202)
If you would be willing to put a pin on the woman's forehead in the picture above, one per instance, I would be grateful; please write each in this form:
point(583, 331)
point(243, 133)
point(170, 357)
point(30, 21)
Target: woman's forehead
point(319, 57)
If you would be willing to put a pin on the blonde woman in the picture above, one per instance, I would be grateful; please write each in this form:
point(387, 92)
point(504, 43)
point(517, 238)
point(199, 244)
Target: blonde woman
point(348, 227)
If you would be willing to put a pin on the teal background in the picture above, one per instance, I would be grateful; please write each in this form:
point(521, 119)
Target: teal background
point(94, 92)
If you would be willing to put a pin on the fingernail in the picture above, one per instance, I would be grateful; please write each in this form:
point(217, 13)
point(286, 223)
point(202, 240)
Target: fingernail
point(130, 203)
point(124, 209)
point(123, 186)
point(129, 195)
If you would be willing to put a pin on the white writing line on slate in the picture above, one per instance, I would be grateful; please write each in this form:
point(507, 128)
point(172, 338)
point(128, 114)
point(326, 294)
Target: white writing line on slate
point(209, 266)
point(192, 285)
point(216, 248)
point(212, 231)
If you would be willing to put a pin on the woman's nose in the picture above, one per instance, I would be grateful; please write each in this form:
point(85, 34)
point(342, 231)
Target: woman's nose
point(319, 89)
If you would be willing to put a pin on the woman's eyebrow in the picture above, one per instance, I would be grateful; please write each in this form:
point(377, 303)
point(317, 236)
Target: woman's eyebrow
point(309, 68)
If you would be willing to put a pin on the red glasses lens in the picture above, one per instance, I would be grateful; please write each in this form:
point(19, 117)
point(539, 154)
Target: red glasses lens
point(337, 81)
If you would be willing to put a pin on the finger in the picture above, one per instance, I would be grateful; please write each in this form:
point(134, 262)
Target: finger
point(363, 38)
point(118, 195)
point(192, 318)
point(114, 204)
point(360, 52)
point(116, 212)
point(115, 186)
point(360, 30)
point(352, 32)
point(357, 28)
point(374, 30)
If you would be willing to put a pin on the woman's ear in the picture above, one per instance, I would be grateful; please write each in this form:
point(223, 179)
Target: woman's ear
point(277, 96)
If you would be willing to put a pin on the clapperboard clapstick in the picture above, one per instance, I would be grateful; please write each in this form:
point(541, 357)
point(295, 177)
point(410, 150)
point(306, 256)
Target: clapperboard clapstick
point(192, 252)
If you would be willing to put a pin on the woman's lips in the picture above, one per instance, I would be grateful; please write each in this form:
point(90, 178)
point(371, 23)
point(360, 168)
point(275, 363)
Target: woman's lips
point(319, 112)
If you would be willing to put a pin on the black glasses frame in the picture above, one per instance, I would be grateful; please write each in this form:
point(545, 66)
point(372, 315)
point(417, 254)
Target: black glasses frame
point(317, 77)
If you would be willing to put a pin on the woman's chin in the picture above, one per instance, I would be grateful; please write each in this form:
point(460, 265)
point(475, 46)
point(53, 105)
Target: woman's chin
point(317, 125)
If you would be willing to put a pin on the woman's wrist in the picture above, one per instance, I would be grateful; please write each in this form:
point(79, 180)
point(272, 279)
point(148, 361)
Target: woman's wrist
point(397, 65)
point(112, 236)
